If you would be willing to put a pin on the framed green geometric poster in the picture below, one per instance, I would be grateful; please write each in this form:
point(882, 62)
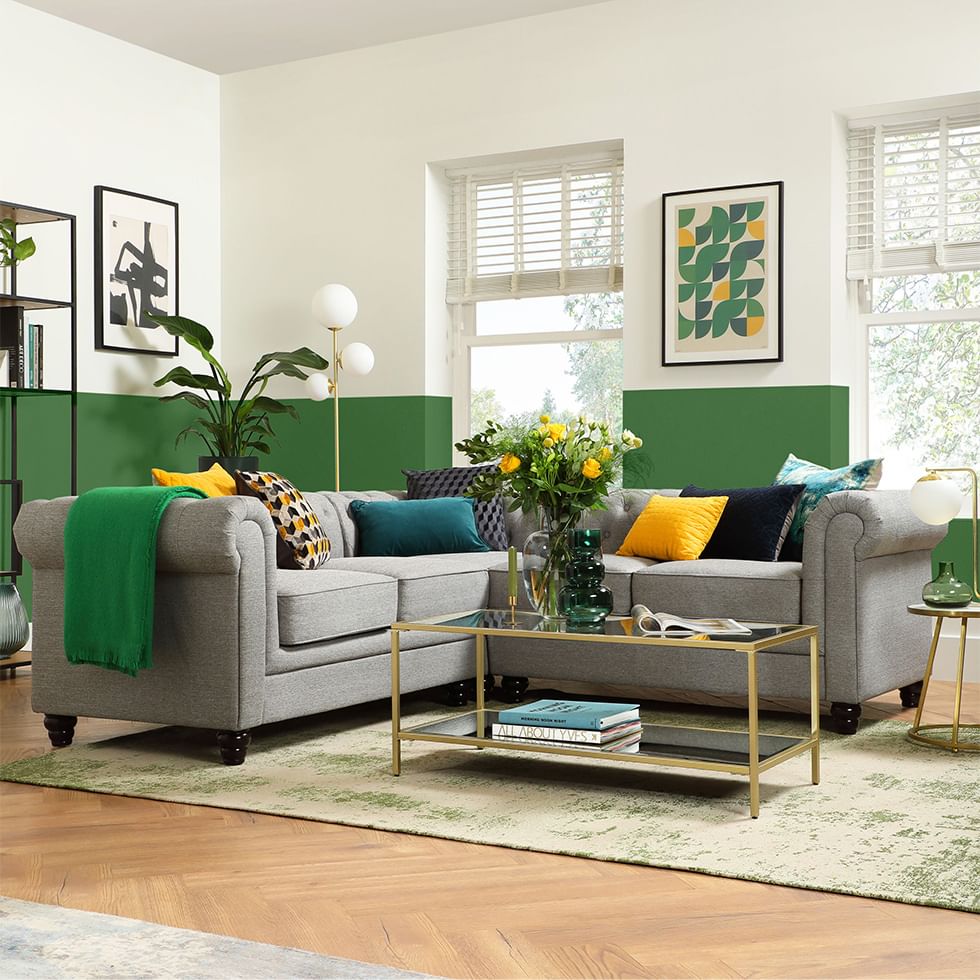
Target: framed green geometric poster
point(723, 275)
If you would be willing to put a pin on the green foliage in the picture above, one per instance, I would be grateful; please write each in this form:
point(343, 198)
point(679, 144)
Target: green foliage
point(229, 426)
point(11, 250)
point(925, 377)
point(559, 469)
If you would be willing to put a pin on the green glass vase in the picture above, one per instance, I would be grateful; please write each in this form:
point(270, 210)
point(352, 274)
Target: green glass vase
point(584, 600)
point(946, 591)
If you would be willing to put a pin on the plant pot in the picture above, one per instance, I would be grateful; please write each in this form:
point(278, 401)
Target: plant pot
point(14, 630)
point(229, 463)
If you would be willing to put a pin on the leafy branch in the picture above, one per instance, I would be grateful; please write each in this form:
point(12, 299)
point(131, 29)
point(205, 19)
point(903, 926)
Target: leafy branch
point(231, 426)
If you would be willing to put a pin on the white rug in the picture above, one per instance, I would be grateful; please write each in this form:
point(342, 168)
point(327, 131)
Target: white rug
point(47, 941)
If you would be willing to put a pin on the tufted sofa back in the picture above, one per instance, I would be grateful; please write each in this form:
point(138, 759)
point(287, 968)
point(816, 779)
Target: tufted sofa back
point(622, 505)
point(622, 509)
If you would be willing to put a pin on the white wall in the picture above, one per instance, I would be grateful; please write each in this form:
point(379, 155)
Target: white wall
point(80, 109)
point(324, 160)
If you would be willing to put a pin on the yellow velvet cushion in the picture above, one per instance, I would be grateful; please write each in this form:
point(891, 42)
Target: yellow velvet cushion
point(673, 528)
point(215, 482)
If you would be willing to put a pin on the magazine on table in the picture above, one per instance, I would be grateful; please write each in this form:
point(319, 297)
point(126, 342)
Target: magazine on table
point(648, 623)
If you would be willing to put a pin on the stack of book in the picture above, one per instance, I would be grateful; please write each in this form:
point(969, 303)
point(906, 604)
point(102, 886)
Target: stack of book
point(21, 350)
point(601, 725)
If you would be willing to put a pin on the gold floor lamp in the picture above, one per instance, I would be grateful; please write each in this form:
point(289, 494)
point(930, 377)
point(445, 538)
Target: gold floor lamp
point(334, 307)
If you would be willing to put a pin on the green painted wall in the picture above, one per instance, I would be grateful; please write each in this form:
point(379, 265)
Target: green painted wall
point(120, 437)
point(957, 547)
point(732, 436)
point(713, 436)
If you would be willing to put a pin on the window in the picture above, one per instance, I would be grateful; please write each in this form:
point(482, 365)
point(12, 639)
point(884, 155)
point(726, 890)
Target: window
point(535, 280)
point(914, 252)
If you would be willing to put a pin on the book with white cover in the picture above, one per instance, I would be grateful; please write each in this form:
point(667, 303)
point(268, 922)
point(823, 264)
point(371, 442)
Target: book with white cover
point(647, 623)
point(574, 735)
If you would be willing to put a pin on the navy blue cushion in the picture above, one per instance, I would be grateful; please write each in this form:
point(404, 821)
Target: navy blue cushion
point(754, 523)
point(441, 526)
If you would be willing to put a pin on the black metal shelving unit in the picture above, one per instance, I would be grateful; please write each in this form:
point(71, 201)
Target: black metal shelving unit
point(28, 215)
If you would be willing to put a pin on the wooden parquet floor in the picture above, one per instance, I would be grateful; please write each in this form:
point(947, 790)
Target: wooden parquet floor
point(442, 907)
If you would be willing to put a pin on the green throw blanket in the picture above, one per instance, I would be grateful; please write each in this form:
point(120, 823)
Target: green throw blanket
point(110, 574)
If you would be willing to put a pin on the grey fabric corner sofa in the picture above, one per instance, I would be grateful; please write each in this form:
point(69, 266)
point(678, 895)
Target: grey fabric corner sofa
point(239, 643)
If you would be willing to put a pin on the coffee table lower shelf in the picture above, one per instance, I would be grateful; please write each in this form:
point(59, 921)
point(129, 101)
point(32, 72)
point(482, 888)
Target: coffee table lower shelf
point(719, 750)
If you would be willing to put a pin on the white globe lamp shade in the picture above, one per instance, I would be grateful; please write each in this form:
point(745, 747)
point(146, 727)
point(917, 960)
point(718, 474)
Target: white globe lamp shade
point(334, 305)
point(318, 386)
point(357, 358)
point(935, 500)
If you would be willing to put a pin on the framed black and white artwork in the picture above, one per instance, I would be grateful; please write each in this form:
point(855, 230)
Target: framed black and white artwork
point(136, 271)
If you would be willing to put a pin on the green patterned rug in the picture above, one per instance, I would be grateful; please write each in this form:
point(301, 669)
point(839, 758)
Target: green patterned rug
point(889, 820)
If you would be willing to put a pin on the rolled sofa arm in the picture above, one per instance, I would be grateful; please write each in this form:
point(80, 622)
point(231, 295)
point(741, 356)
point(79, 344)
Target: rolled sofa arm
point(194, 535)
point(215, 618)
point(866, 556)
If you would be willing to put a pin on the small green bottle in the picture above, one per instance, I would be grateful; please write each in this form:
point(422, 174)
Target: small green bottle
point(946, 591)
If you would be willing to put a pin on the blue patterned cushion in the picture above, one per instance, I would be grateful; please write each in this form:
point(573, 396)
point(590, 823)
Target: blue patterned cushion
point(819, 481)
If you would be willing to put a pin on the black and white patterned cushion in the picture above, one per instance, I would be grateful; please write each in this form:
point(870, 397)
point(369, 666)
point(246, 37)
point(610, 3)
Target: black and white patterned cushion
point(300, 539)
point(451, 482)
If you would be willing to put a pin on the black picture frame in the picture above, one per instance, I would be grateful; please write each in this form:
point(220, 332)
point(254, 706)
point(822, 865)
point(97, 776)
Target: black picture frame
point(110, 333)
point(669, 356)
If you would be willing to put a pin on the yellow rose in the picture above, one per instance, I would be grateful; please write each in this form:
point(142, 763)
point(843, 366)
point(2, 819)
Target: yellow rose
point(545, 419)
point(591, 468)
point(557, 430)
point(509, 463)
point(605, 453)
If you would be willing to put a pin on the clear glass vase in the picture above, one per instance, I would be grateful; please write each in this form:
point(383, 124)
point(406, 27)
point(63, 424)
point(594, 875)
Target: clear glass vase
point(946, 591)
point(13, 620)
point(546, 553)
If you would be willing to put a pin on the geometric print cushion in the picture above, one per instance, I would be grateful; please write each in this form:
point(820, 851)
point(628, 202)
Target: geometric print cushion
point(300, 541)
point(452, 482)
point(819, 482)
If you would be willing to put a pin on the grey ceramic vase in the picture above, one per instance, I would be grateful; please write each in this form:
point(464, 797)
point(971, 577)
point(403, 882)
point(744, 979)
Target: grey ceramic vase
point(13, 621)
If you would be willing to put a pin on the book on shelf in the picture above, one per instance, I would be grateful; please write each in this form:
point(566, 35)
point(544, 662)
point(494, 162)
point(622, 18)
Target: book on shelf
point(35, 355)
point(628, 743)
point(12, 340)
point(584, 715)
point(647, 623)
point(572, 736)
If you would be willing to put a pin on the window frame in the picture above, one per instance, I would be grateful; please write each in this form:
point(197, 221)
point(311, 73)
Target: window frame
point(466, 339)
point(861, 294)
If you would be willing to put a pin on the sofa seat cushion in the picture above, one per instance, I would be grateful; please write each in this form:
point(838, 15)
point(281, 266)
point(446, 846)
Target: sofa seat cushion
point(432, 585)
point(618, 578)
point(755, 591)
point(328, 603)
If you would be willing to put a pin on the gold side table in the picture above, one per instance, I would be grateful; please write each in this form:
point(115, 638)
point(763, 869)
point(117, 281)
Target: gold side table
point(964, 614)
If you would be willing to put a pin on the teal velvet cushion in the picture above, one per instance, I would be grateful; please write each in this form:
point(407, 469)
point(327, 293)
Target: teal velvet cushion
point(819, 481)
point(440, 526)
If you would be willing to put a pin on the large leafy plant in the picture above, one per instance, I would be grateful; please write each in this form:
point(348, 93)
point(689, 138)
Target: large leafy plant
point(11, 250)
point(231, 426)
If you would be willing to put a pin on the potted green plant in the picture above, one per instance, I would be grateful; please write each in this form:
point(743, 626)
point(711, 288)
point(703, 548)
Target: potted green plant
point(233, 429)
point(11, 250)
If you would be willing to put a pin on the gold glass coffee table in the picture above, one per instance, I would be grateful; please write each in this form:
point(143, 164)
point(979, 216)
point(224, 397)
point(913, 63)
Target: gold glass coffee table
point(744, 753)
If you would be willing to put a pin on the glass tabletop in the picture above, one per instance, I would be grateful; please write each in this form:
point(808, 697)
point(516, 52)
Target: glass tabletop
point(614, 628)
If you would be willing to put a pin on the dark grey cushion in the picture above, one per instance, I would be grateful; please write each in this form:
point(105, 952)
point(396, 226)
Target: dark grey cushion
point(452, 482)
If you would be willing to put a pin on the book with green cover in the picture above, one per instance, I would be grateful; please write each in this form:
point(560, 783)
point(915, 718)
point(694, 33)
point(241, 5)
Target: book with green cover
point(551, 713)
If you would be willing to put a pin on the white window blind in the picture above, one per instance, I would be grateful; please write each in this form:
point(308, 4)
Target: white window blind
point(913, 195)
point(543, 230)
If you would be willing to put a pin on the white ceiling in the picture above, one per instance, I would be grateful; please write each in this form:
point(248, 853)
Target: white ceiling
point(234, 35)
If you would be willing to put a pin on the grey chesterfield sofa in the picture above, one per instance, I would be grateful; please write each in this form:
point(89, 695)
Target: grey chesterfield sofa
point(239, 643)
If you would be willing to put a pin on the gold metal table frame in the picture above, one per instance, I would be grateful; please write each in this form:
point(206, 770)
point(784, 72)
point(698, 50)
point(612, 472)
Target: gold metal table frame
point(964, 614)
point(761, 751)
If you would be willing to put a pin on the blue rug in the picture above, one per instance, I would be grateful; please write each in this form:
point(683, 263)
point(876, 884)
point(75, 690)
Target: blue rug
point(57, 943)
